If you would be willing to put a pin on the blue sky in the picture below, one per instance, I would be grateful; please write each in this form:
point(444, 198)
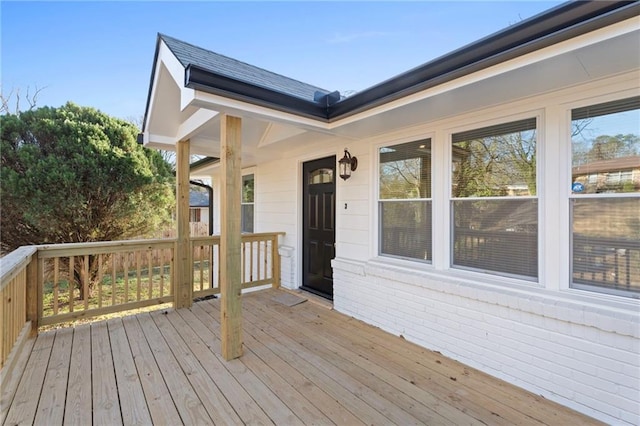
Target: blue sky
point(100, 54)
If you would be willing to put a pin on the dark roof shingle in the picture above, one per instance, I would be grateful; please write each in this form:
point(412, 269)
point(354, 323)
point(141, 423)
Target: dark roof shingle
point(189, 54)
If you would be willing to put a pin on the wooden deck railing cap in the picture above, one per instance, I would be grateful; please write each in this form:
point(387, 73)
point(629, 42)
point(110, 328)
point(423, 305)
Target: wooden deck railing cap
point(14, 262)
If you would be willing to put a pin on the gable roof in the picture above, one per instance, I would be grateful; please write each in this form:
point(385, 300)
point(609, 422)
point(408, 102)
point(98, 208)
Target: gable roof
point(220, 75)
point(611, 165)
point(198, 199)
point(197, 57)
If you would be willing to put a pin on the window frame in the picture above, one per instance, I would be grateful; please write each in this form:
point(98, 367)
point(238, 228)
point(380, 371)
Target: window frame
point(379, 201)
point(252, 203)
point(509, 120)
point(569, 284)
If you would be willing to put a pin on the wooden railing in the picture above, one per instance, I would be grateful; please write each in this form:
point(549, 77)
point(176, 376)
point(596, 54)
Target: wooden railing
point(502, 251)
point(18, 272)
point(260, 262)
point(50, 284)
point(90, 279)
point(606, 262)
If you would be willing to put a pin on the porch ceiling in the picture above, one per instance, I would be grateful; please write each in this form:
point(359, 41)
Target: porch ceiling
point(178, 112)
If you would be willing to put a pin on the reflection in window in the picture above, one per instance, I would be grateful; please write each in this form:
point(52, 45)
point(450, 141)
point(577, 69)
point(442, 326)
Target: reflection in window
point(494, 208)
point(605, 211)
point(320, 176)
point(247, 207)
point(605, 142)
point(405, 200)
point(495, 161)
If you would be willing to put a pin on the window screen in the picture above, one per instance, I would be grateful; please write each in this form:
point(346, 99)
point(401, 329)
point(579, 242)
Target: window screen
point(405, 200)
point(494, 206)
point(605, 197)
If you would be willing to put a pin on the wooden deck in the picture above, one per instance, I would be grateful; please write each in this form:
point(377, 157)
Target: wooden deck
point(304, 364)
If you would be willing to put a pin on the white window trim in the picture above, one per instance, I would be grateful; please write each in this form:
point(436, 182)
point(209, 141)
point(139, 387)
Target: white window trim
point(539, 115)
point(567, 278)
point(247, 172)
point(374, 243)
point(553, 114)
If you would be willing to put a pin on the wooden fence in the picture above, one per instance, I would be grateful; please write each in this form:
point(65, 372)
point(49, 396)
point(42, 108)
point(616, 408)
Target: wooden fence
point(50, 284)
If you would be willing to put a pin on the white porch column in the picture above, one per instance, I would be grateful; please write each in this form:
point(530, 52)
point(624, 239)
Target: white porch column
point(230, 237)
point(183, 285)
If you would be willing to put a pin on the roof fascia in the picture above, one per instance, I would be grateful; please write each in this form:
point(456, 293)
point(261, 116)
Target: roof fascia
point(202, 163)
point(201, 79)
point(226, 105)
point(152, 83)
point(502, 67)
point(561, 23)
point(554, 26)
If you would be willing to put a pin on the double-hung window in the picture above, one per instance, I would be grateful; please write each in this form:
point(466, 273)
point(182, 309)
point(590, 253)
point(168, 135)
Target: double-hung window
point(605, 212)
point(494, 205)
point(247, 204)
point(405, 200)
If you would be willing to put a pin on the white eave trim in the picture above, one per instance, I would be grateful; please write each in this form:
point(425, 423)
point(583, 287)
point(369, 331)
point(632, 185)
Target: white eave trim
point(602, 34)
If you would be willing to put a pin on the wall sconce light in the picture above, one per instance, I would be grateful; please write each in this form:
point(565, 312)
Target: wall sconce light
point(347, 164)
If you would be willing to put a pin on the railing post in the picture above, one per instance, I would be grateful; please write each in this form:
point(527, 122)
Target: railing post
point(275, 261)
point(230, 238)
point(34, 291)
point(183, 288)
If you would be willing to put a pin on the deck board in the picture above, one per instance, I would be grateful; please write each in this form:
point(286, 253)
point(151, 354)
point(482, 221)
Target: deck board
point(187, 401)
point(78, 408)
point(159, 402)
point(133, 404)
point(25, 402)
point(106, 404)
point(303, 364)
point(54, 389)
point(317, 399)
point(189, 354)
point(429, 383)
point(9, 379)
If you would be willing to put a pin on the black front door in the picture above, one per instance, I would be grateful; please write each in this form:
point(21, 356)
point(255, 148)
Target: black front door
point(318, 233)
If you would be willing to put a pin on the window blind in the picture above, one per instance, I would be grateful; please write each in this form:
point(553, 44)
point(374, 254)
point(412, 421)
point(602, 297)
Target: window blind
point(497, 130)
point(606, 108)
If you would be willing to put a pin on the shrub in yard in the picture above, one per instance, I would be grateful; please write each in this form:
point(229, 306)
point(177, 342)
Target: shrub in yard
point(75, 174)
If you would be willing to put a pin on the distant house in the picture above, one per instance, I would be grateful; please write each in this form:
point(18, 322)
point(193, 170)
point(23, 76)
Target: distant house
point(198, 206)
point(609, 175)
point(459, 227)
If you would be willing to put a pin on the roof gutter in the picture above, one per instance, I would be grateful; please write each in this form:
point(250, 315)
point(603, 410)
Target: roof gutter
point(556, 25)
point(201, 79)
point(561, 23)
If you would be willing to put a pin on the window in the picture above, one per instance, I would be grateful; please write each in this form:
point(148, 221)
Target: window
point(321, 176)
point(405, 200)
point(494, 206)
point(247, 216)
point(605, 213)
point(194, 215)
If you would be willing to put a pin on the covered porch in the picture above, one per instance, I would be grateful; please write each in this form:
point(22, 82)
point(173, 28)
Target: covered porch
point(302, 364)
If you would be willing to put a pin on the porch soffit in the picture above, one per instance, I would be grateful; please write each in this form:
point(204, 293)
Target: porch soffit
point(278, 108)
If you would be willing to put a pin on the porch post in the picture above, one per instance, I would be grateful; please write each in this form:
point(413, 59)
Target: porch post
point(183, 286)
point(230, 238)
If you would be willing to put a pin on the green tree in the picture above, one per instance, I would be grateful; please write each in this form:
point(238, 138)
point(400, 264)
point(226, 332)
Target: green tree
point(74, 174)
